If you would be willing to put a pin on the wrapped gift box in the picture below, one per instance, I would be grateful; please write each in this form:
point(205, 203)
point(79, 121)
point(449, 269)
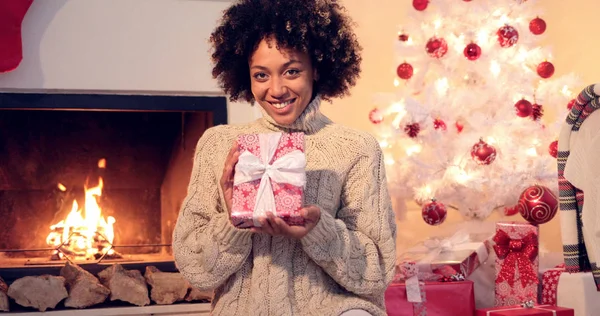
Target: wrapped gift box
point(516, 248)
point(539, 310)
point(459, 254)
point(578, 291)
point(437, 299)
point(269, 177)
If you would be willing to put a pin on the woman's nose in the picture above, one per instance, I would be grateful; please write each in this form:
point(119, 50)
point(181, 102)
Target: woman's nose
point(277, 87)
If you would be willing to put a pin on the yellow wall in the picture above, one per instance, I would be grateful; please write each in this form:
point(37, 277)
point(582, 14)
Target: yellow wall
point(570, 33)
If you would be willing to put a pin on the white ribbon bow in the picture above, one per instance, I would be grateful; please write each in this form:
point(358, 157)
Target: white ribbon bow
point(289, 168)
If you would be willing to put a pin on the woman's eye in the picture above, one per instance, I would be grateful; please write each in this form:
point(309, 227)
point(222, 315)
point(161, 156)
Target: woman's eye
point(293, 72)
point(260, 76)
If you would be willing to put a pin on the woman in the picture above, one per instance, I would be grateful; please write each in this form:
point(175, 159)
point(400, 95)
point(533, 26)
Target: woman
point(287, 56)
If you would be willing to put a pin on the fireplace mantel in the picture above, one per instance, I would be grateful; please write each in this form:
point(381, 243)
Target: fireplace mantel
point(156, 310)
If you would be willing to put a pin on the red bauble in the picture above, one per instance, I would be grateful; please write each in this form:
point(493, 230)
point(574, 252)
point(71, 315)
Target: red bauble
point(524, 108)
point(537, 111)
point(420, 5)
point(412, 130)
point(537, 26)
point(459, 127)
point(434, 213)
point(545, 69)
point(553, 149)
point(404, 71)
point(403, 37)
point(472, 51)
point(375, 116)
point(507, 36)
point(511, 210)
point(571, 103)
point(482, 153)
point(439, 124)
point(537, 204)
point(436, 47)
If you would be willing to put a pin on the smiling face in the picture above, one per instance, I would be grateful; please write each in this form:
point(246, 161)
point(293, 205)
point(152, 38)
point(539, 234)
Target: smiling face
point(281, 81)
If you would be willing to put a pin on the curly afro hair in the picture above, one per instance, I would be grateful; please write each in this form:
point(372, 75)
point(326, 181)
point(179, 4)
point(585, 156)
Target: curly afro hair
point(317, 27)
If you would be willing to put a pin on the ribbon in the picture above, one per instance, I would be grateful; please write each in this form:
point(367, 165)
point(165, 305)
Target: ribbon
point(289, 168)
point(525, 305)
point(517, 254)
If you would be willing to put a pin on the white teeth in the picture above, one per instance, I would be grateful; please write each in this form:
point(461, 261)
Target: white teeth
point(282, 105)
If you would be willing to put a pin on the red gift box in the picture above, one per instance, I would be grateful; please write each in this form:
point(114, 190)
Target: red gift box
point(437, 299)
point(269, 177)
point(517, 262)
point(539, 310)
point(459, 254)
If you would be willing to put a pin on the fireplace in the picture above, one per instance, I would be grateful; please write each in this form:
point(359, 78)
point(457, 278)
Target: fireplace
point(95, 179)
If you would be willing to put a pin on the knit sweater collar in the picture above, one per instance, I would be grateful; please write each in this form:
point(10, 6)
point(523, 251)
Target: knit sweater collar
point(309, 122)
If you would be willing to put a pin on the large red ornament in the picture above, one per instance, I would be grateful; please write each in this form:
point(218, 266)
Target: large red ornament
point(523, 108)
point(537, 26)
point(12, 13)
point(375, 116)
point(538, 205)
point(436, 47)
point(434, 213)
point(420, 5)
point(571, 103)
point(483, 153)
point(412, 130)
point(472, 51)
point(537, 111)
point(404, 71)
point(507, 36)
point(553, 149)
point(439, 124)
point(545, 69)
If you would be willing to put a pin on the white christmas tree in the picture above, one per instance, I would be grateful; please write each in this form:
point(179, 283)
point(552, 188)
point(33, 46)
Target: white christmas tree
point(477, 110)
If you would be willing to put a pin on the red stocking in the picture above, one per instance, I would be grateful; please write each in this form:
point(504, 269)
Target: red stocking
point(12, 13)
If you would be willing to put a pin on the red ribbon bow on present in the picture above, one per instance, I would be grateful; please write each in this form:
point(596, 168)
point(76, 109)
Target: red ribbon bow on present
point(517, 254)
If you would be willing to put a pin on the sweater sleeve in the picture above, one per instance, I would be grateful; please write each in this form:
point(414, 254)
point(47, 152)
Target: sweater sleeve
point(357, 248)
point(207, 248)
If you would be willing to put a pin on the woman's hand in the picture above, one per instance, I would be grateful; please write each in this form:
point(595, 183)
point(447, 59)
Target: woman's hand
point(227, 177)
point(275, 226)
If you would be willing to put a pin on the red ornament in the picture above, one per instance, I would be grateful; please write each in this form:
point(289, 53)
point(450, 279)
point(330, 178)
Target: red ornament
point(553, 149)
point(434, 213)
point(511, 210)
point(472, 51)
point(420, 5)
point(12, 14)
point(545, 69)
point(459, 127)
point(439, 124)
point(482, 153)
point(537, 111)
point(524, 108)
point(412, 130)
point(403, 37)
point(537, 204)
point(537, 26)
point(436, 47)
point(507, 36)
point(571, 103)
point(375, 116)
point(405, 71)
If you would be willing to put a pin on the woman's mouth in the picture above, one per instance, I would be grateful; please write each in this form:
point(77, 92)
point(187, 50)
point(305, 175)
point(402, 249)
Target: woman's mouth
point(282, 105)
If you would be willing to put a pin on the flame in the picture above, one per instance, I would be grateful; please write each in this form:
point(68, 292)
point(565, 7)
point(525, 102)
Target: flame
point(85, 232)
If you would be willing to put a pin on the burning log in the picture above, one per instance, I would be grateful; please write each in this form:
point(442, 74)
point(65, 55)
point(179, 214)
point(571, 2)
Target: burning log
point(4, 305)
point(125, 285)
point(40, 292)
point(167, 287)
point(84, 288)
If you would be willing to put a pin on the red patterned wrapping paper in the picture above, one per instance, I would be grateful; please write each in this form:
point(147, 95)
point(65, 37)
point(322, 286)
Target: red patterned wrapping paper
point(538, 310)
point(438, 299)
point(434, 258)
point(549, 285)
point(517, 262)
point(282, 178)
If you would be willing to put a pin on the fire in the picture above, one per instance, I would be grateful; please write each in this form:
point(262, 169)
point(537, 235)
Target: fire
point(84, 233)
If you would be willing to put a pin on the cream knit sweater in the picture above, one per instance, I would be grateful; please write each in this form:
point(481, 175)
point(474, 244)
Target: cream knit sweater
point(346, 262)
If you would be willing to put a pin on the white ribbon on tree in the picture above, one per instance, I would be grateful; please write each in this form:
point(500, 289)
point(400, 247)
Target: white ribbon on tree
point(289, 168)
